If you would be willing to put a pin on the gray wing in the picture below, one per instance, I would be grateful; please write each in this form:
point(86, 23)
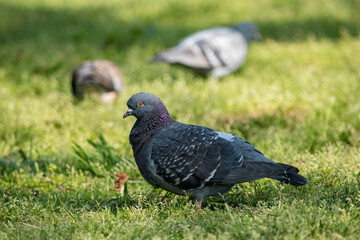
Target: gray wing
point(186, 155)
point(207, 49)
point(191, 156)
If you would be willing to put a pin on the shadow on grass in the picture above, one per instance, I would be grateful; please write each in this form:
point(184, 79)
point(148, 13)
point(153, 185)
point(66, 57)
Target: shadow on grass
point(326, 189)
point(102, 27)
point(65, 26)
point(17, 160)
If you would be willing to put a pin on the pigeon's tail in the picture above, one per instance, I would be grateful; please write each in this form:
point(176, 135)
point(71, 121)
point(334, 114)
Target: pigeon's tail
point(166, 56)
point(291, 176)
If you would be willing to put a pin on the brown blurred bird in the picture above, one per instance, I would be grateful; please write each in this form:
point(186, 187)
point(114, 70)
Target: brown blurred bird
point(98, 76)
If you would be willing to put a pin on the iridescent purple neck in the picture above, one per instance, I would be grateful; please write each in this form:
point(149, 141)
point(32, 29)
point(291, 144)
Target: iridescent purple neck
point(163, 113)
point(149, 125)
point(155, 120)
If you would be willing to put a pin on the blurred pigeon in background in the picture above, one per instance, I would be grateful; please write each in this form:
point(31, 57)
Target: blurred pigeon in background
point(99, 76)
point(195, 160)
point(216, 51)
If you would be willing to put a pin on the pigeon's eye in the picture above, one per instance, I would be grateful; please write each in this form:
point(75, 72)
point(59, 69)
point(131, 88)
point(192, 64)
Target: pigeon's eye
point(140, 104)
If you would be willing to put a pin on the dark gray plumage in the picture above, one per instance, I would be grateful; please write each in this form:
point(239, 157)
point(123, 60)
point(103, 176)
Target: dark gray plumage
point(183, 158)
point(216, 51)
point(100, 76)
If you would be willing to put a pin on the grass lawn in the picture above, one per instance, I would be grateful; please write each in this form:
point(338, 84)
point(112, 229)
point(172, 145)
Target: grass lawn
point(297, 99)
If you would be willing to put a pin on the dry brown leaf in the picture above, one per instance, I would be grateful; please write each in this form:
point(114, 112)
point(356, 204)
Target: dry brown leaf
point(120, 182)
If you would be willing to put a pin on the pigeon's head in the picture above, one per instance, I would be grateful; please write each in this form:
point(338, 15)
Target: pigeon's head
point(250, 31)
point(146, 104)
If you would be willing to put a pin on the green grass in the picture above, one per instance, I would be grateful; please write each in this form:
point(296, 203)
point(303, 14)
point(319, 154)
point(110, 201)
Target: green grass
point(296, 99)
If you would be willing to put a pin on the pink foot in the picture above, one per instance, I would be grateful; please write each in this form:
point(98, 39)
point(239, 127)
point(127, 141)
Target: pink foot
point(199, 204)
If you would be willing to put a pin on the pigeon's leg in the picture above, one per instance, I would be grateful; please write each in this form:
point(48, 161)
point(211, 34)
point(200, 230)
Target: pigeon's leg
point(199, 204)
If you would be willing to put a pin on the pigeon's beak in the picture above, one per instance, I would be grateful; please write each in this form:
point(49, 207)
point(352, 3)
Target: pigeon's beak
point(129, 112)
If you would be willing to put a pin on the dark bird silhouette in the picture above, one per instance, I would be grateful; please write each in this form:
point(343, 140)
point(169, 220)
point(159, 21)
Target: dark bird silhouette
point(195, 160)
point(99, 76)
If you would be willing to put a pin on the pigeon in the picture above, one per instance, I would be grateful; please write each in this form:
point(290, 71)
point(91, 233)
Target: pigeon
point(194, 160)
point(216, 51)
point(99, 76)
